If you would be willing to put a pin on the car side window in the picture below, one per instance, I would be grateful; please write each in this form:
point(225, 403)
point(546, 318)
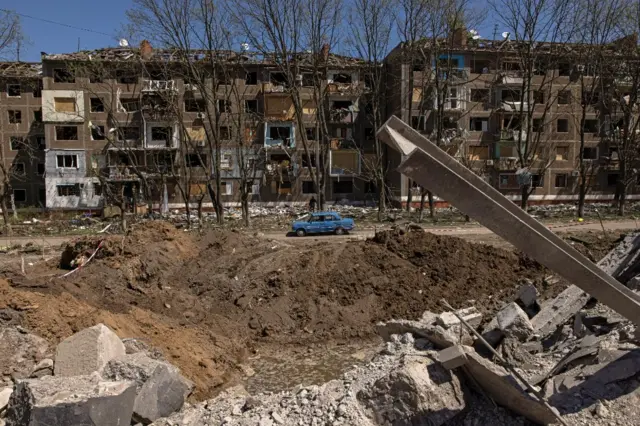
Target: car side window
point(329, 218)
point(317, 218)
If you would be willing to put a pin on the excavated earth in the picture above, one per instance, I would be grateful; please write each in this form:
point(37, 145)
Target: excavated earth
point(211, 301)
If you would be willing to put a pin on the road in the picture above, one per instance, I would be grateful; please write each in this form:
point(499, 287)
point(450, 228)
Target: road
point(472, 231)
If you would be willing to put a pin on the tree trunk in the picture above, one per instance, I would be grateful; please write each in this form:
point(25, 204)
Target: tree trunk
point(245, 209)
point(622, 191)
point(432, 205)
point(524, 201)
point(381, 200)
point(409, 197)
point(582, 195)
point(423, 195)
point(13, 207)
point(200, 203)
point(5, 217)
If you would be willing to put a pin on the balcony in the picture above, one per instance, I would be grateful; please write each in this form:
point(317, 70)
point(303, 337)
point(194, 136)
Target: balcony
point(158, 85)
point(344, 162)
point(279, 135)
point(511, 135)
point(511, 78)
point(505, 164)
point(273, 88)
point(343, 115)
point(514, 106)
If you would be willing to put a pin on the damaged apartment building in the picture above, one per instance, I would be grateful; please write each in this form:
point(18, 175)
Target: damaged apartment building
point(130, 118)
point(484, 114)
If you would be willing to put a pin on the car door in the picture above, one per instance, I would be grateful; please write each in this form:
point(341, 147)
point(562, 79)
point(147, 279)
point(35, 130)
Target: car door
point(329, 224)
point(315, 224)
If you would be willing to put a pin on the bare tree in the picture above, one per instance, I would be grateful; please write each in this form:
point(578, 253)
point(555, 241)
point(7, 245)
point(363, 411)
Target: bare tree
point(371, 23)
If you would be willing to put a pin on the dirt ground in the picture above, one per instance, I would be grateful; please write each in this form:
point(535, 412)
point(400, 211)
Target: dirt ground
point(212, 301)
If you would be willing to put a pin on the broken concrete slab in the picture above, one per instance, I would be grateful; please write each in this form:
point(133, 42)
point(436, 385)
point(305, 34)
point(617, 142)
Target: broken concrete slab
point(513, 321)
point(161, 389)
point(449, 319)
point(527, 295)
point(436, 334)
point(44, 368)
point(5, 394)
point(87, 351)
point(505, 390)
point(418, 389)
point(559, 310)
point(452, 357)
point(77, 400)
point(20, 352)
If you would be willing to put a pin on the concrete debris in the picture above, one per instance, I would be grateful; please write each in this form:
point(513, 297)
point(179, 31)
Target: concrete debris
point(513, 321)
point(87, 351)
point(20, 352)
point(77, 400)
point(160, 388)
point(5, 394)
point(452, 357)
point(558, 311)
point(44, 368)
point(426, 328)
point(527, 295)
point(470, 315)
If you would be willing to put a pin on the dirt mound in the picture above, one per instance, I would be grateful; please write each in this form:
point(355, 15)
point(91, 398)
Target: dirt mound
point(208, 300)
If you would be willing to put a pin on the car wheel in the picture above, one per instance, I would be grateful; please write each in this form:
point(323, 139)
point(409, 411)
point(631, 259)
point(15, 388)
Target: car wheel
point(301, 233)
point(339, 231)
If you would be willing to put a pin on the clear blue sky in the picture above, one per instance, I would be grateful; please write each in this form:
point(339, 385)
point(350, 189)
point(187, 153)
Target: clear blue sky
point(101, 16)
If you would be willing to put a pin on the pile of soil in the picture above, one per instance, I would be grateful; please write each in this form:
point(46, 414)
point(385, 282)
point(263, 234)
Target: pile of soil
point(209, 300)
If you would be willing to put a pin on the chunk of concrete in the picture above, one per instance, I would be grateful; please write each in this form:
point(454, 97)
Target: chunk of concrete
point(505, 390)
point(161, 389)
point(559, 310)
point(470, 315)
point(20, 352)
point(44, 368)
point(416, 389)
point(77, 400)
point(5, 394)
point(527, 295)
point(436, 334)
point(513, 321)
point(87, 351)
point(452, 357)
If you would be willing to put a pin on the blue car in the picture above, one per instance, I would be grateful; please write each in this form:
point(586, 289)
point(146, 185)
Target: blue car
point(322, 223)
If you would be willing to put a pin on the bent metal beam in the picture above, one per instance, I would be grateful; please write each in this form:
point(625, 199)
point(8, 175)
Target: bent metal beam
point(440, 173)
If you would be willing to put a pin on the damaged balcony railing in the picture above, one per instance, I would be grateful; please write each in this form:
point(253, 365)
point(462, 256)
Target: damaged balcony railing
point(158, 85)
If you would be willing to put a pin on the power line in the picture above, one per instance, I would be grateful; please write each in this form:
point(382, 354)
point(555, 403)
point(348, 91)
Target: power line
point(57, 23)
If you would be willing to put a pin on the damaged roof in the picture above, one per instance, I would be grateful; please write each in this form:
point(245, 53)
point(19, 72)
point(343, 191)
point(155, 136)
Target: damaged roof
point(20, 69)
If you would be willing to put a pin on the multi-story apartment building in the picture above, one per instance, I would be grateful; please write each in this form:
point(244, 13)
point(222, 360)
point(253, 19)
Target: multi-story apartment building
point(124, 115)
point(484, 114)
point(21, 131)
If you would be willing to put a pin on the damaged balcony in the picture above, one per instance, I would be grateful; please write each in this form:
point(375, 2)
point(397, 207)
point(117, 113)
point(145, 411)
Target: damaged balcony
point(280, 167)
point(342, 82)
point(344, 163)
point(279, 135)
point(159, 85)
point(343, 112)
point(161, 136)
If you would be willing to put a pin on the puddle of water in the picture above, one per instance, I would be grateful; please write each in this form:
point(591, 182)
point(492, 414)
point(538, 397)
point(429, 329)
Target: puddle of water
point(278, 369)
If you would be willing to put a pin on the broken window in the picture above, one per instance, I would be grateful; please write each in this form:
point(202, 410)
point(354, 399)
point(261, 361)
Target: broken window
point(224, 105)
point(129, 133)
point(509, 95)
point(14, 90)
point(20, 195)
point(97, 105)
point(307, 79)
point(480, 95)
point(612, 179)
point(537, 181)
point(480, 66)
point(564, 97)
point(590, 98)
point(562, 125)
point(17, 143)
point(342, 78)
point(126, 77)
point(71, 190)
point(41, 169)
point(562, 153)
point(537, 125)
point(195, 105)
point(590, 153)
point(225, 133)
point(538, 97)
point(279, 132)
point(130, 104)
point(251, 105)
point(19, 169)
point(251, 78)
point(194, 160)
point(37, 90)
point(67, 133)
point(343, 187)
point(311, 133)
point(67, 161)
point(15, 116)
point(37, 115)
point(64, 104)
point(308, 187)
point(161, 133)
point(564, 69)
point(278, 78)
point(97, 133)
point(591, 126)
point(479, 124)
point(62, 75)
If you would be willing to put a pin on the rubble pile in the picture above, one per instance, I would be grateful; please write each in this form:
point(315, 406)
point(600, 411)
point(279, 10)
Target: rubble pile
point(94, 379)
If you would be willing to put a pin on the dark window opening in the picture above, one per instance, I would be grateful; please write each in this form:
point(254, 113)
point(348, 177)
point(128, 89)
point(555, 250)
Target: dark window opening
point(14, 90)
point(251, 105)
point(308, 187)
point(538, 97)
point(311, 133)
point(307, 79)
point(194, 160)
point(251, 78)
point(65, 161)
point(562, 125)
point(19, 169)
point(480, 66)
point(511, 66)
point(224, 105)
point(279, 132)
point(15, 117)
point(130, 104)
point(37, 90)
point(537, 181)
point(590, 153)
point(68, 190)
point(61, 75)
point(512, 123)
point(97, 189)
point(591, 126)
point(97, 105)
point(370, 187)
point(278, 78)
point(41, 169)
point(478, 124)
point(129, 133)
point(97, 133)
point(343, 187)
point(561, 181)
point(564, 69)
point(342, 78)
point(612, 179)
point(537, 125)
point(480, 95)
point(564, 97)
point(306, 163)
point(41, 143)
point(369, 133)
point(591, 98)
point(225, 133)
point(418, 122)
point(125, 77)
point(37, 116)
point(42, 195)
point(17, 143)
point(342, 104)
point(67, 133)
point(195, 105)
point(95, 78)
point(511, 96)
point(20, 195)
point(161, 133)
